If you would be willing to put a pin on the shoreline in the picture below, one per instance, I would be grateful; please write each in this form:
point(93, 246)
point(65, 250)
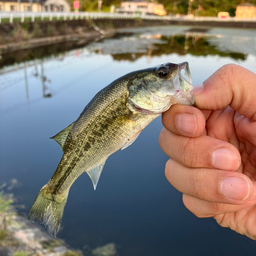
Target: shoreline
point(18, 36)
point(26, 238)
point(20, 235)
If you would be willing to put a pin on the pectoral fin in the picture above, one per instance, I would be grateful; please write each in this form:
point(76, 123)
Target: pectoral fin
point(95, 173)
point(131, 140)
point(61, 137)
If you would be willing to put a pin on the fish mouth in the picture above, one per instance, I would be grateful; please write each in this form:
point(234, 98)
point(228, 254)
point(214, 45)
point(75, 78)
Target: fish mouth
point(177, 89)
point(183, 85)
point(187, 75)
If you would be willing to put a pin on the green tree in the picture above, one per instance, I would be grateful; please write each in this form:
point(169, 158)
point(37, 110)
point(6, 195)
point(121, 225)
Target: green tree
point(210, 7)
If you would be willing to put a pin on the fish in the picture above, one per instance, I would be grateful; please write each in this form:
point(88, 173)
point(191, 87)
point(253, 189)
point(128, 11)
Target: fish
point(112, 120)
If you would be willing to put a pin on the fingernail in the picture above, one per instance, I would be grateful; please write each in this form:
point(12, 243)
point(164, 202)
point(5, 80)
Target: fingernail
point(198, 89)
point(235, 188)
point(224, 159)
point(187, 123)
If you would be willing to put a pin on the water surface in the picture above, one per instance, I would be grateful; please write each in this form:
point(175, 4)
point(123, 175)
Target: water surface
point(43, 90)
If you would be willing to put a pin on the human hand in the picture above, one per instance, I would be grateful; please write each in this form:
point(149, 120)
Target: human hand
point(213, 149)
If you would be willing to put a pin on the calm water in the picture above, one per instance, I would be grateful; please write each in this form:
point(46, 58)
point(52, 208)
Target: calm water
point(43, 90)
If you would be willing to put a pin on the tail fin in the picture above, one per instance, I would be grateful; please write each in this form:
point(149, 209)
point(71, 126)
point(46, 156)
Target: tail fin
point(48, 209)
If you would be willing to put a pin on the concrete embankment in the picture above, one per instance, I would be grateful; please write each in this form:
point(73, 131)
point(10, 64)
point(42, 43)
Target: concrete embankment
point(32, 34)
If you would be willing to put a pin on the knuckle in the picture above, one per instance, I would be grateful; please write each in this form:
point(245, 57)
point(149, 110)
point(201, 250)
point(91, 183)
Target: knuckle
point(191, 206)
point(188, 152)
point(201, 209)
point(227, 72)
point(197, 181)
point(167, 170)
point(161, 138)
point(229, 68)
point(216, 208)
point(187, 202)
point(220, 219)
point(204, 185)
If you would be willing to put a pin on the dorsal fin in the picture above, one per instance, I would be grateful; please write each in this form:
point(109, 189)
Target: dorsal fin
point(61, 137)
point(95, 173)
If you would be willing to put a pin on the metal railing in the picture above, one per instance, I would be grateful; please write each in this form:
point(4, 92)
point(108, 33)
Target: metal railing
point(32, 16)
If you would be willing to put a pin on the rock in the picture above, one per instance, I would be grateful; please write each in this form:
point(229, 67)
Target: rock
point(60, 249)
point(106, 250)
point(4, 251)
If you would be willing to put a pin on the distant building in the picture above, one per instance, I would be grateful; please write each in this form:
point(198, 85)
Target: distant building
point(35, 5)
point(21, 6)
point(246, 11)
point(223, 15)
point(56, 6)
point(141, 7)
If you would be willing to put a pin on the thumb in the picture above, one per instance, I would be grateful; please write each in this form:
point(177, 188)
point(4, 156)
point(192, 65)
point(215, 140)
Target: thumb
point(231, 85)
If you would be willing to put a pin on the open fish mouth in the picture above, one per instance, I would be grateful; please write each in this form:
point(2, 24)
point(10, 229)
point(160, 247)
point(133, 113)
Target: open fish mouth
point(183, 85)
point(176, 89)
point(186, 78)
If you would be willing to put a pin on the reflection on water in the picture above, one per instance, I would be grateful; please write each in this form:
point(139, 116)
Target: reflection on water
point(191, 43)
point(195, 41)
point(47, 51)
point(42, 90)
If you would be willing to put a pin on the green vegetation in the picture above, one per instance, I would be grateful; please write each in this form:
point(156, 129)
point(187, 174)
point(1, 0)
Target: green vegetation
point(72, 253)
point(173, 7)
point(5, 210)
point(5, 202)
point(198, 7)
point(20, 253)
point(50, 244)
point(3, 234)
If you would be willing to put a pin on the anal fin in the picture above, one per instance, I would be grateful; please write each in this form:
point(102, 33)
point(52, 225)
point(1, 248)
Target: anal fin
point(95, 173)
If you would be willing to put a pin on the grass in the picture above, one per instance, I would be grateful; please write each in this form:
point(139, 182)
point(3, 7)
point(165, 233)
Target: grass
point(72, 253)
point(3, 234)
point(20, 253)
point(5, 202)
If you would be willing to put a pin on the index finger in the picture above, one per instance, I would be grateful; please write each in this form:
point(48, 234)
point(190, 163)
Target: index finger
point(231, 85)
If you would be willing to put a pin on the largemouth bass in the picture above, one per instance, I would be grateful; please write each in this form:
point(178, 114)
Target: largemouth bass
point(111, 121)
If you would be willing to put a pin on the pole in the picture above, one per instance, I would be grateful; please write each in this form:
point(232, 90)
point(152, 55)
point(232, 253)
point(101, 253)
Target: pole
point(42, 78)
point(26, 79)
point(190, 6)
point(30, 1)
point(18, 5)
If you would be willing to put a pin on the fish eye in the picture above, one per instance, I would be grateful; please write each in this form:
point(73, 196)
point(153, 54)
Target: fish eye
point(163, 72)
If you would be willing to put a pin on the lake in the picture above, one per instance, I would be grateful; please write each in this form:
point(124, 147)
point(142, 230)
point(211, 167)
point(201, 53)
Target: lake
point(43, 90)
